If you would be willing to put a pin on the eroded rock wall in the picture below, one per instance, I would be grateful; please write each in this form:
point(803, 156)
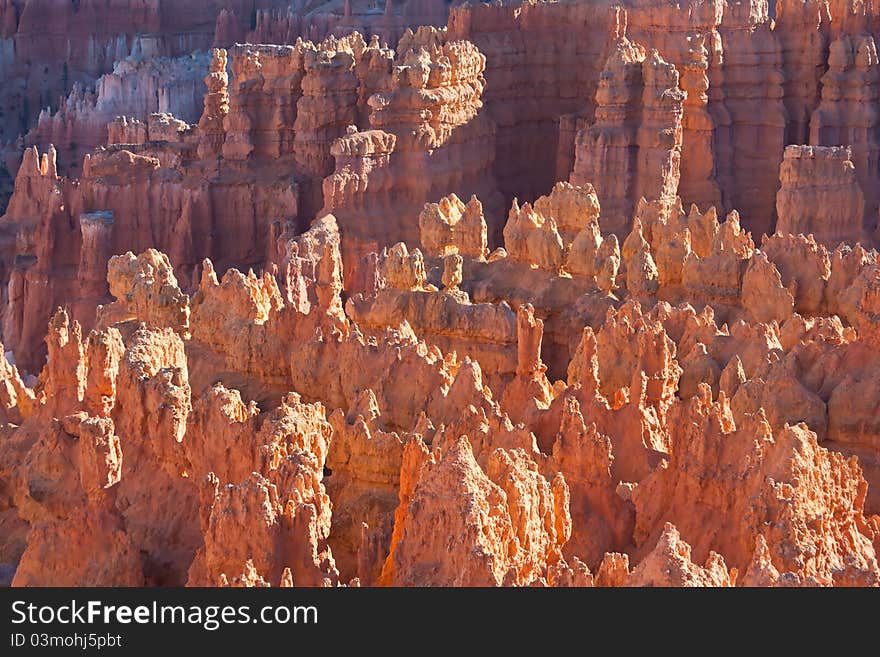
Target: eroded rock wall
point(350, 307)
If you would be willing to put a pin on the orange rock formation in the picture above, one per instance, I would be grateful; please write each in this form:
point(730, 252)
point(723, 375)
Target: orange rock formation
point(561, 294)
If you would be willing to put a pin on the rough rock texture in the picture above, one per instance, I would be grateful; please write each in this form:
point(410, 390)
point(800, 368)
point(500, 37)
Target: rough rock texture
point(686, 35)
point(436, 306)
point(451, 226)
point(318, 20)
point(773, 474)
point(427, 139)
point(803, 29)
point(542, 65)
point(497, 526)
point(820, 195)
point(633, 149)
point(599, 466)
point(846, 113)
point(58, 230)
point(55, 52)
point(135, 89)
point(749, 143)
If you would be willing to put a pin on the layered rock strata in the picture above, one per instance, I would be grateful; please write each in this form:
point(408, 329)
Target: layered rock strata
point(820, 195)
point(440, 311)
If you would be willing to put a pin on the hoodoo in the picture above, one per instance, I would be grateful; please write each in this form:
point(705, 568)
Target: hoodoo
point(418, 293)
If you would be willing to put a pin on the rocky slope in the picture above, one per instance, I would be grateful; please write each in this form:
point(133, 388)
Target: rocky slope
point(560, 294)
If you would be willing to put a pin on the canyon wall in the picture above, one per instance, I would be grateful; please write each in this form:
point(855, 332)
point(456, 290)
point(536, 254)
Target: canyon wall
point(48, 45)
point(70, 66)
point(316, 21)
point(427, 137)
point(753, 86)
point(543, 63)
point(53, 52)
point(135, 89)
point(820, 195)
point(590, 288)
point(846, 114)
point(633, 150)
point(253, 168)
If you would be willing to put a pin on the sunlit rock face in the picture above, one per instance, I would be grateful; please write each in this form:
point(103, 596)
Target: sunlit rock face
point(511, 294)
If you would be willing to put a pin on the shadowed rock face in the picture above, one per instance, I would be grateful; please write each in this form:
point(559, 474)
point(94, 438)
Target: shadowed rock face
point(820, 195)
point(252, 169)
point(71, 66)
point(437, 307)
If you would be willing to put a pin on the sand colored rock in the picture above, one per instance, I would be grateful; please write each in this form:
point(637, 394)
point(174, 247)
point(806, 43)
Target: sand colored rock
point(216, 107)
point(262, 138)
point(803, 29)
point(61, 57)
point(601, 519)
point(697, 181)
point(686, 35)
point(427, 137)
point(672, 256)
point(17, 398)
point(278, 521)
point(401, 269)
point(327, 107)
point(110, 212)
point(365, 463)
point(573, 208)
point(531, 238)
point(763, 293)
point(804, 265)
point(549, 519)
point(85, 533)
point(147, 290)
point(136, 89)
point(669, 564)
